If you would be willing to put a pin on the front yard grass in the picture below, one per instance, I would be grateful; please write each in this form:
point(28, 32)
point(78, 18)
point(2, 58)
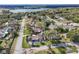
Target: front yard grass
point(38, 44)
point(46, 43)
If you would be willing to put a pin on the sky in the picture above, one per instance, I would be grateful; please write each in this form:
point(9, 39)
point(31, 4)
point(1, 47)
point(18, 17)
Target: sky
point(39, 1)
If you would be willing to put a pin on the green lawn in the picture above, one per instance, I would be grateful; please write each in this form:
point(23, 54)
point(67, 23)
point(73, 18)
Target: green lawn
point(37, 44)
point(46, 43)
point(24, 43)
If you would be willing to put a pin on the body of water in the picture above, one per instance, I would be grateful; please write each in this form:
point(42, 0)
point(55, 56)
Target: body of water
point(27, 10)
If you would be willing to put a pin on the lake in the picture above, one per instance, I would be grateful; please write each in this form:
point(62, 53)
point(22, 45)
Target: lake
point(27, 10)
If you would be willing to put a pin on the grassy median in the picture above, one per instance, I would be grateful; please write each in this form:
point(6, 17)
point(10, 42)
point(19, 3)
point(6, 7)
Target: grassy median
point(25, 43)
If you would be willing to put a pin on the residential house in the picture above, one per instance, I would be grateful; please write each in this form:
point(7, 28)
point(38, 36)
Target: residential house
point(37, 30)
point(51, 26)
point(4, 31)
point(37, 38)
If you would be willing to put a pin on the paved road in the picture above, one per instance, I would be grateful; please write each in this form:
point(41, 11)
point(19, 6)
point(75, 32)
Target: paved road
point(35, 49)
point(18, 47)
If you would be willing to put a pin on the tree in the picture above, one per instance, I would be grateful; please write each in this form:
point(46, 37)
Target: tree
point(40, 24)
point(62, 30)
point(73, 35)
point(49, 33)
point(75, 38)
